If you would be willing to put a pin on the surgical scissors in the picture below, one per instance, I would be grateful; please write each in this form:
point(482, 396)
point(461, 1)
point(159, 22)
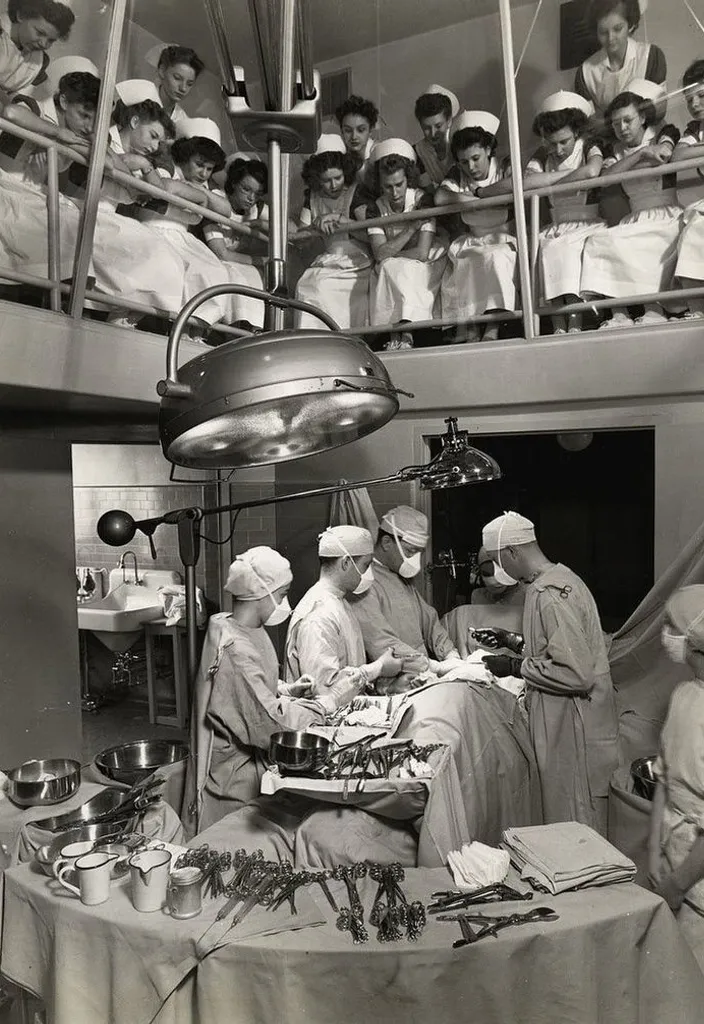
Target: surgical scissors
point(492, 925)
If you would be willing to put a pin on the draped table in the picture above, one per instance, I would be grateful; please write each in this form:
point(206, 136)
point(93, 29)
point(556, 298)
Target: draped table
point(615, 954)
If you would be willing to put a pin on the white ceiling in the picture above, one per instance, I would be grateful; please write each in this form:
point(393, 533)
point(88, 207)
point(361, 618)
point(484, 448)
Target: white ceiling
point(338, 27)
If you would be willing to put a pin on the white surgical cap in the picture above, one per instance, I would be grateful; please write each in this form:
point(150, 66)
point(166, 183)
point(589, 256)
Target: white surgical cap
point(510, 528)
point(411, 525)
point(258, 572)
point(337, 541)
point(686, 610)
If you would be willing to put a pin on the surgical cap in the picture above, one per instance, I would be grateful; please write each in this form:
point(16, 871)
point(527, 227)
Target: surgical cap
point(337, 541)
point(686, 611)
point(258, 572)
point(510, 528)
point(411, 525)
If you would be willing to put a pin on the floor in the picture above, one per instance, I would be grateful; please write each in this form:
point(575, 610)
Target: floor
point(122, 722)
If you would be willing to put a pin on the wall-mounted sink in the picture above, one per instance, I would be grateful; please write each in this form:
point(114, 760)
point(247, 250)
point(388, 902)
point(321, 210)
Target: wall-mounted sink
point(117, 619)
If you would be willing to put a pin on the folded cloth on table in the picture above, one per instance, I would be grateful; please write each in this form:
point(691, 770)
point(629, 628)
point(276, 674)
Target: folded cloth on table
point(477, 865)
point(173, 601)
point(472, 669)
point(566, 855)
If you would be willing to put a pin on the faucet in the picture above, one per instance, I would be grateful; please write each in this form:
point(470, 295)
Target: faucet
point(121, 565)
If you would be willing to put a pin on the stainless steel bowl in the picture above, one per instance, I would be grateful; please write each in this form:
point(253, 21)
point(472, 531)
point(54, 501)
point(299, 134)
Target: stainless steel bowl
point(644, 781)
point(39, 783)
point(298, 751)
point(134, 762)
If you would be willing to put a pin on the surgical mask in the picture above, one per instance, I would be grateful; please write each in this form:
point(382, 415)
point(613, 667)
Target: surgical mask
point(410, 566)
point(502, 577)
point(281, 612)
point(675, 645)
point(366, 579)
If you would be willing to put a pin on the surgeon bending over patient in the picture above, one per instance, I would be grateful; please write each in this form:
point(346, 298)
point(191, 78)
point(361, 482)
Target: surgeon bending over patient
point(324, 638)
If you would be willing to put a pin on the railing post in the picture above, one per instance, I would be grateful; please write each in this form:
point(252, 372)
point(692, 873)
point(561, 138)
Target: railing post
point(535, 254)
point(96, 167)
point(53, 228)
point(516, 169)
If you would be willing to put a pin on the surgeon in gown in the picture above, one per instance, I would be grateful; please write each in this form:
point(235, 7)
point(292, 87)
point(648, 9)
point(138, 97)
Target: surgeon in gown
point(676, 846)
point(240, 702)
point(324, 639)
point(570, 696)
point(392, 614)
point(496, 604)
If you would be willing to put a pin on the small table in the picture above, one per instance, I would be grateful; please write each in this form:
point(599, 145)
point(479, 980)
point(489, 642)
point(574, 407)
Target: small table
point(177, 633)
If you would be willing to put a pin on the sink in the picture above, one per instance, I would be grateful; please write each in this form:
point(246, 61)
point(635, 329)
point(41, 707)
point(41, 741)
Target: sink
point(117, 619)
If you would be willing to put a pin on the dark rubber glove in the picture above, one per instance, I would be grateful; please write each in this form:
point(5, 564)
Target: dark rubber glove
point(502, 665)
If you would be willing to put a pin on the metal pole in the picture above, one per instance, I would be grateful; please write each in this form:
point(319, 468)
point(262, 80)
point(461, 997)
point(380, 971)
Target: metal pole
point(96, 167)
point(53, 227)
point(516, 169)
point(304, 50)
point(535, 253)
point(213, 12)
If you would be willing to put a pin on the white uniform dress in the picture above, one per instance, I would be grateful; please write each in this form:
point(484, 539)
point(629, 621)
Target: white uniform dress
point(432, 168)
point(240, 307)
point(690, 252)
point(575, 217)
point(338, 280)
point(401, 288)
point(638, 255)
point(598, 82)
point(131, 260)
point(323, 638)
point(18, 71)
point(481, 272)
point(203, 268)
point(680, 767)
point(23, 213)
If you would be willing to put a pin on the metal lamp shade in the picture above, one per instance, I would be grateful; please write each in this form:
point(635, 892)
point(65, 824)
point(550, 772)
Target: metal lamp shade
point(274, 397)
point(459, 463)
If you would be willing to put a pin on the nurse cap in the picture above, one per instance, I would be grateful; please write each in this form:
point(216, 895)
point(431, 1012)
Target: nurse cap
point(392, 147)
point(330, 143)
point(509, 529)
point(153, 55)
point(454, 102)
point(657, 94)
point(199, 127)
point(476, 119)
point(408, 523)
point(136, 90)
point(66, 66)
point(258, 572)
point(564, 100)
point(337, 541)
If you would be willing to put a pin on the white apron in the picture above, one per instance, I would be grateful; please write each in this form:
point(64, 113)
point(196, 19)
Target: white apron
point(203, 268)
point(481, 268)
point(604, 84)
point(130, 260)
point(400, 288)
point(574, 219)
point(338, 280)
point(638, 255)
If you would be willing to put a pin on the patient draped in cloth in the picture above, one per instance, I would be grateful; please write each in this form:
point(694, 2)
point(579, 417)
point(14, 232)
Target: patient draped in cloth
point(324, 638)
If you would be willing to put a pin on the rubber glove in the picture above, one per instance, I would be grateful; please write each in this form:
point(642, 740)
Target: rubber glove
point(502, 665)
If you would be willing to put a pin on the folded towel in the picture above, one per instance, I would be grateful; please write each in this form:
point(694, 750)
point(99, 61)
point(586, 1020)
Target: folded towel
point(477, 865)
point(566, 855)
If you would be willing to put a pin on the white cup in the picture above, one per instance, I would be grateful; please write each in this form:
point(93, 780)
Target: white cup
point(94, 871)
point(149, 871)
point(69, 854)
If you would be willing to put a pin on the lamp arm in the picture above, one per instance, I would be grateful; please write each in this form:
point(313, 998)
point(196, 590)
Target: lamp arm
point(170, 386)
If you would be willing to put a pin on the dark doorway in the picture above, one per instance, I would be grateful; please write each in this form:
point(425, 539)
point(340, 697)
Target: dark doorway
point(593, 510)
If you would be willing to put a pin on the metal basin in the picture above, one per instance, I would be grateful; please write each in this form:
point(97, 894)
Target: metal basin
point(298, 751)
point(644, 781)
point(39, 783)
point(102, 803)
point(134, 762)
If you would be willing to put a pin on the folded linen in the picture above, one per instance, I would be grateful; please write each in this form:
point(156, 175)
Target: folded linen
point(566, 855)
point(477, 865)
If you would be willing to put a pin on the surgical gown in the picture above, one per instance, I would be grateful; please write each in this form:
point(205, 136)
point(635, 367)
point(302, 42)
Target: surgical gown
point(243, 712)
point(393, 614)
point(323, 638)
point(572, 710)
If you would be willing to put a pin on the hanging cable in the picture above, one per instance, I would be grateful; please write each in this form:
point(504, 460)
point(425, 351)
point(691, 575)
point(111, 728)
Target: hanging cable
point(221, 543)
point(696, 19)
point(528, 39)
